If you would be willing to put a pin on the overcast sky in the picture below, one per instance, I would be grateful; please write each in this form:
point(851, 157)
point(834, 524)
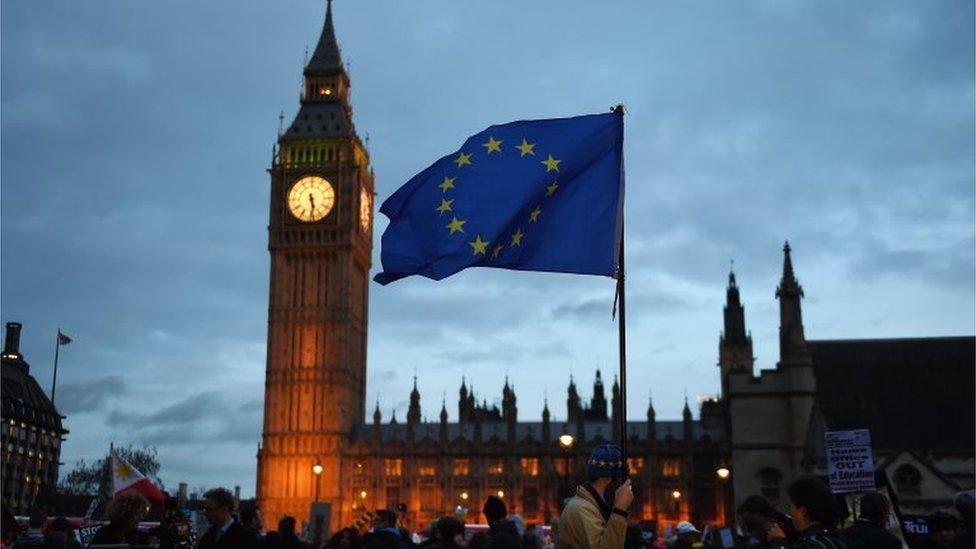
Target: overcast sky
point(136, 135)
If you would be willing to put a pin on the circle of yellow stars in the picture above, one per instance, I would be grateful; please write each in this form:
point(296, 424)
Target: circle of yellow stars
point(479, 246)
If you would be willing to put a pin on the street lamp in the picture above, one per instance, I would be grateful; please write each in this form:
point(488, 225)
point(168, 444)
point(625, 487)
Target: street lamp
point(317, 469)
point(464, 496)
point(676, 494)
point(501, 494)
point(566, 442)
point(723, 473)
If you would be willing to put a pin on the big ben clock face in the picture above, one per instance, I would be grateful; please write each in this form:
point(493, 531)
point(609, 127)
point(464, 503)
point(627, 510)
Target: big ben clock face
point(365, 210)
point(311, 198)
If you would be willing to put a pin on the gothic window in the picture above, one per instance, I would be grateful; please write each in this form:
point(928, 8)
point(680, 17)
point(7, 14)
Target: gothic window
point(427, 468)
point(635, 464)
point(496, 467)
point(462, 467)
point(394, 467)
point(530, 467)
point(769, 482)
point(671, 468)
point(908, 480)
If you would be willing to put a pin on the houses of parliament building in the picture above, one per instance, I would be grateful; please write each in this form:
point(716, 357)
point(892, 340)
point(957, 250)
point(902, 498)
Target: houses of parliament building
point(762, 431)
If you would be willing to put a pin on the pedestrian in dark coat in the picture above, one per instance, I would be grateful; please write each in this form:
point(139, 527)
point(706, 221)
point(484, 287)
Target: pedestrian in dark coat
point(285, 537)
point(224, 532)
point(385, 534)
point(868, 532)
point(502, 533)
point(815, 515)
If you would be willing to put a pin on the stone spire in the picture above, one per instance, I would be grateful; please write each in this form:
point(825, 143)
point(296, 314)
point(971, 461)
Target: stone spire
point(686, 421)
point(413, 411)
point(377, 419)
point(735, 323)
point(326, 58)
point(598, 404)
point(546, 430)
point(463, 402)
point(651, 420)
point(443, 426)
point(735, 345)
point(573, 408)
point(792, 342)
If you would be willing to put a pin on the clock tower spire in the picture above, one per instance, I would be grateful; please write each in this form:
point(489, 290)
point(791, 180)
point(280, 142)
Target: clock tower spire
point(320, 240)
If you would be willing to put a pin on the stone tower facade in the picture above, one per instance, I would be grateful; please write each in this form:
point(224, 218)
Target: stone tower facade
point(320, 240)
point(770, 415)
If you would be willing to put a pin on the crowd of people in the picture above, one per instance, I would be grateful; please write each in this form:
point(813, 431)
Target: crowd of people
point(596, 517)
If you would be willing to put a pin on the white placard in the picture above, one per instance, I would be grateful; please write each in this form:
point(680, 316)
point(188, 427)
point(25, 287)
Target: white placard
point(850, 464)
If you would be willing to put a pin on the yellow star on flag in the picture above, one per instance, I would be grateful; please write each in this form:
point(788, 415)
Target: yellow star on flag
point(445, 206)
point(526, 148)
point(456, 225)
point(493, 145)
point(551, 164)
point(448, 183)
point(551, 189)
point(479, 246)
point(463, 160)
point(534, 215)
point(517, 237)
point(122, 472)
point(496, 251)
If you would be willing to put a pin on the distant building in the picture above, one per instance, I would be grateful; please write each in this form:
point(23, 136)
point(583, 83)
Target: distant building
point(915, 395)
point(31, 432)
point(434, 467)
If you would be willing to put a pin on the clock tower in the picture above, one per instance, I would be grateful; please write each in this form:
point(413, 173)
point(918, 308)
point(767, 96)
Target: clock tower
point(320, 240)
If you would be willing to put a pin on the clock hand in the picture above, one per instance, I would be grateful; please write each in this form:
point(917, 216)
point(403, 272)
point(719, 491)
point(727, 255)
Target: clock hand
point(311, 200)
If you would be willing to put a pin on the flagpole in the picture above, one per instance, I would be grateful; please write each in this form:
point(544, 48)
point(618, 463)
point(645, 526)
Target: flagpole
point(622, 324)
point(57, 348)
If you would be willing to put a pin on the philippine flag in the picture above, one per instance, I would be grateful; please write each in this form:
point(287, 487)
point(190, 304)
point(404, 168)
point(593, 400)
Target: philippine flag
point(126, 477)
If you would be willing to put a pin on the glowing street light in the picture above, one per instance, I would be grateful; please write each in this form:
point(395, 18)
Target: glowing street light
point(464, 496)
point(317, 469)
point(501, 494)
point(676, 494)
point(566, 441)
point(362, 495)
point(723, 473)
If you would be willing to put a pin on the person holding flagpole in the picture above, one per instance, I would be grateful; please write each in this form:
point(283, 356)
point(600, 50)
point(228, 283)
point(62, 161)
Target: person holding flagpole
point(596, 517)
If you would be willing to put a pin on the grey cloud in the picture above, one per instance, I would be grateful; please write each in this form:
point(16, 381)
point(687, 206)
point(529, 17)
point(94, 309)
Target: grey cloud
point(90, 396)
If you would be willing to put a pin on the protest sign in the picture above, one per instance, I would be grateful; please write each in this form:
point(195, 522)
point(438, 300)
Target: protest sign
point(850, 465)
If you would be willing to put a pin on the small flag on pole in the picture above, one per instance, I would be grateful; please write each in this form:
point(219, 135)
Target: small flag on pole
point(63, 339)
point(536, 195)
point(126, 477)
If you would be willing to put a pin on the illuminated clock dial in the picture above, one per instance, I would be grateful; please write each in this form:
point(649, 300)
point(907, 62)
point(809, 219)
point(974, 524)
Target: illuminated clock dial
point(365, 209)
point(311, 198)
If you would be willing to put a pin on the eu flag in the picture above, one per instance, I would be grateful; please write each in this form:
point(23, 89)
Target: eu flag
point(537, 195)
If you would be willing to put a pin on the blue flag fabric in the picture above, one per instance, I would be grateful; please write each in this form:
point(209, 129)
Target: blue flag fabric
point(537, 195)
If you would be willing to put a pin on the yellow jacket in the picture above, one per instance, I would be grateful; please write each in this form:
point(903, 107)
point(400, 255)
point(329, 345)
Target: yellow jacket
point(581, 526)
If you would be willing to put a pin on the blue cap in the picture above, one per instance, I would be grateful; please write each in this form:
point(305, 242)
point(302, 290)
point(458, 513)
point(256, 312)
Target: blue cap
point(605, 461)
